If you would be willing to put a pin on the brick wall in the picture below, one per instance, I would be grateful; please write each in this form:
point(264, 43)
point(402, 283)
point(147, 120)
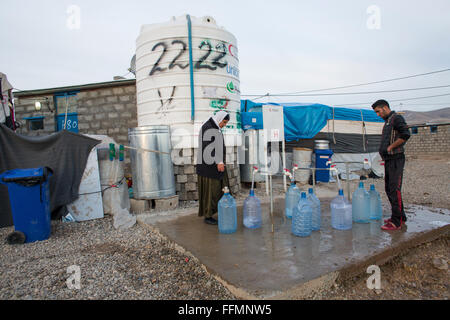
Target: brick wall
point(24, 108)
point(186, 177)
point(427, 143)
point(112, 111)
point(103, 111)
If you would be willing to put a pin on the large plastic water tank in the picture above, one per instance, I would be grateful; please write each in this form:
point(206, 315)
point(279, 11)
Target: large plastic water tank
point(163, 82)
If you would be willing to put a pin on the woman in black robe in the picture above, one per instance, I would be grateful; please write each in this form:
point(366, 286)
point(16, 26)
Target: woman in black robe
point(211, 165)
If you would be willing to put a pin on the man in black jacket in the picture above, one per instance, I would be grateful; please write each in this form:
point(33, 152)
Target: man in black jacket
point(394, 136)
point(211, 169)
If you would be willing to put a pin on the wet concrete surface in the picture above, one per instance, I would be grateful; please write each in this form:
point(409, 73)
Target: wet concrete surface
point(264, 264)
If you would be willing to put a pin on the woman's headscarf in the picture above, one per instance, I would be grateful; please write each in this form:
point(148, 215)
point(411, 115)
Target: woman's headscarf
point(219, 116)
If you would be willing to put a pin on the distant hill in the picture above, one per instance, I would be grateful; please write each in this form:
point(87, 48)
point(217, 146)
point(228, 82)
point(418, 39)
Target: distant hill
point(435, 116)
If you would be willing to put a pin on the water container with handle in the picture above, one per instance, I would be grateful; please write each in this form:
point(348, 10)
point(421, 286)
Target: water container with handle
point(376, 211)
point(361, 205)
point(252, 208)
point(315, 206)
point(292, 197)
point(341, 212)
point(227, 213)
point(302, 217)
point(252, 211)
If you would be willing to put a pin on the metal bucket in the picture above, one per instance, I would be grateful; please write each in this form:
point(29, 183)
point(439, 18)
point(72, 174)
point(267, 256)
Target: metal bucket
point(302, 158)
point(152, 172)
point(321, 144)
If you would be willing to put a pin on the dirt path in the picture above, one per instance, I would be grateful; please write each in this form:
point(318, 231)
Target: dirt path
point(421, 273)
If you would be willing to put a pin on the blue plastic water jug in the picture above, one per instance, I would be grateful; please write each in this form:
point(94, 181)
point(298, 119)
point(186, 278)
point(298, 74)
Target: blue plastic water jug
point(227, 213)
point(315, 206)
point(252, 211)
point(302, 217)
point(341, 212)
point(292, 197)
point(376, 211)
point(361, 205)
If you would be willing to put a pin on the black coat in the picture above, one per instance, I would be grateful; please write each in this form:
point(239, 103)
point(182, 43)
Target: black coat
point(394, 127)
point(211, 151)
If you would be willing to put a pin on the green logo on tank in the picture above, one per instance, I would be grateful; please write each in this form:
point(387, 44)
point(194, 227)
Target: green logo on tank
point(230, 87)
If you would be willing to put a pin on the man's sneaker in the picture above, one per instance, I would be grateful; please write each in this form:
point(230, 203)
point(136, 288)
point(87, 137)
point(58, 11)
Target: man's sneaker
point(391, 226)
point(389, 220)
point(210, 221)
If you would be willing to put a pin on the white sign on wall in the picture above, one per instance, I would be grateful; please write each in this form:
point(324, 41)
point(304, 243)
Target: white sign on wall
point(273, 122)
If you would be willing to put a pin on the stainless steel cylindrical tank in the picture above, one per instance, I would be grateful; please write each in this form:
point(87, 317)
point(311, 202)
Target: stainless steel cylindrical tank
point(152, 172)
point(253, 150)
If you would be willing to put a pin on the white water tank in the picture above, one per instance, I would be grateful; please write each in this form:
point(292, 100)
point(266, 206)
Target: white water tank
point(163, 83)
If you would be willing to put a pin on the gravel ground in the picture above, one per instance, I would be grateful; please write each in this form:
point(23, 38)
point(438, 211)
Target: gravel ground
point(426, 181)
point(137, 264)
point(114, 264)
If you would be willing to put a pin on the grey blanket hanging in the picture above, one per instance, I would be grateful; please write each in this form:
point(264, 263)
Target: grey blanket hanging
point(65, 152)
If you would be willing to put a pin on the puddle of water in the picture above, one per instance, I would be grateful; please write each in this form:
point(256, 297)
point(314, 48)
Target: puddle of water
point(439, 223)
point(257, 259)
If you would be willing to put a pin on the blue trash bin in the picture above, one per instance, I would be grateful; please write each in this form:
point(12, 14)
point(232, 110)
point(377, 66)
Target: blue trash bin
point(322, 156)
point(29, 197)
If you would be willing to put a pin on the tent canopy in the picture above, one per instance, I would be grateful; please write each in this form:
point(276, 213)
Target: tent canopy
point(303, 120)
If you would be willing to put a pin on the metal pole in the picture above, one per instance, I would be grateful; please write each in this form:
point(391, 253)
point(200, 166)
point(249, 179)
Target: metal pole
point(67, 107)
point(284, 165)
point(271, 202)
point(348, 181)
point(314, 178)
point(265, 157)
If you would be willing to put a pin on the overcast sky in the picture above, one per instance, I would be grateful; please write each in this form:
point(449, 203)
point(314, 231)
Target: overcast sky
point(284, 46)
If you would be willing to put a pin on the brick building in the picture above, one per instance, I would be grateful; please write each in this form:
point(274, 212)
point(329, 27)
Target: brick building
point(107, 108)
point(428, 139)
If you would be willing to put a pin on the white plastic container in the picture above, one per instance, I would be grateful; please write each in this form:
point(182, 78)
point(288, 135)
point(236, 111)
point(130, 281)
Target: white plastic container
point(341, 212)
point(302, 158)
point(163, 81)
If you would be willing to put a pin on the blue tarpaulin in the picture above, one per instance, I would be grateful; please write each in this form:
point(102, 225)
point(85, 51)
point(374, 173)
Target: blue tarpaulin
point(303, 120)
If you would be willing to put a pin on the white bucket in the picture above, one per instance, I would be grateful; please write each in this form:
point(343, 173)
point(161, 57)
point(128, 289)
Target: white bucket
point(302, 158)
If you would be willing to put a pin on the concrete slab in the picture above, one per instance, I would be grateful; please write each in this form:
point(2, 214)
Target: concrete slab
point(259, 264)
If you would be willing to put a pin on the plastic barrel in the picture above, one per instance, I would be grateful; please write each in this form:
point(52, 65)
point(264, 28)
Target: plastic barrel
point(302, 158)
point(29, 198)
point(322, 157)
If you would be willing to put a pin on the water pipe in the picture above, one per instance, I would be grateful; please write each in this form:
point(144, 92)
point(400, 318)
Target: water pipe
point(191, 67)
point(255, 170)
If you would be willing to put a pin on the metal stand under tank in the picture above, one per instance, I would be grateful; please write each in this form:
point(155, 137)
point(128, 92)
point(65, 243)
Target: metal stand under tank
point(151, 163)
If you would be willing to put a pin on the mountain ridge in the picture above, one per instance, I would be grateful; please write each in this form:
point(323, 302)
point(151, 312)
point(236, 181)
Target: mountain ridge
point(433, 116)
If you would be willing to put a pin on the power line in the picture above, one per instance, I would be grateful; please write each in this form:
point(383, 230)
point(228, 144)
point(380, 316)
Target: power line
point(349, 93)
point(374, 82)
point(397, 100)
point(429, 104)
point(261, 96)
